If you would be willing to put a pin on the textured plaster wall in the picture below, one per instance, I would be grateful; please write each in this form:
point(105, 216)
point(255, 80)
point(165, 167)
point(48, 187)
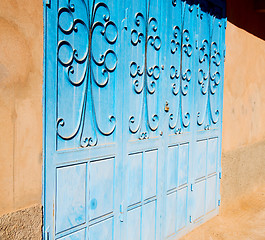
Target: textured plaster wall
point(243, 157)
point(21, 41)
point(23, 224)
point(244, 90)
point(243, 172)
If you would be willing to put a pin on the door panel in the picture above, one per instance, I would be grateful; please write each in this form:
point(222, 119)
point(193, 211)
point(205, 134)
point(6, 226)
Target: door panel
point(70, 197)
point(79, 235)
point(178, 121)
point(83, 121)
point(132, 116)
point(101, 188)
point(209, 58)
point(102, 230)
point(142, 112)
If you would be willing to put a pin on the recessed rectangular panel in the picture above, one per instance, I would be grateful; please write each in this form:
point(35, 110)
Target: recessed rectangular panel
point(102, 230)
point(183, 164)
point(71, 197)
point(149, 174)
point(182, 208)
point(171, 213)
point(79, 235)
point(134, 224)
point(212, 155)
point(101, 187)
point(149, 221)
point(172, 163)
point(135, 178)
point(199, 195)
point(211, 194)
point(200, 159)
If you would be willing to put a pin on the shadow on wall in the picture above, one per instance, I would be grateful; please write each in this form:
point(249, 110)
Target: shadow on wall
point(248, 15)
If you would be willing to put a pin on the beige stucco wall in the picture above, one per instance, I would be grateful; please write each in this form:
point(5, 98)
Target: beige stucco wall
point(243, 145)
point(21, 49)
point(21, 41)
point(244, 89)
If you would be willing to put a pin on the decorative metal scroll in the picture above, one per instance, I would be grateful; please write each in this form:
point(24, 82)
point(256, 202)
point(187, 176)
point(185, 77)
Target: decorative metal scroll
point(145, 77)
point(82, 67)
point(181, 77)
point(209, 80)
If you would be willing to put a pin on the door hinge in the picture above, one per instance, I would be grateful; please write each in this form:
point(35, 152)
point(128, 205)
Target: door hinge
point(220, 175)
point(48, 3)
point(190, 219)
point(219, 202)
point(125, 20)
point(121, 212)
point(224, 53)
point(191, 187)
point(47, 234)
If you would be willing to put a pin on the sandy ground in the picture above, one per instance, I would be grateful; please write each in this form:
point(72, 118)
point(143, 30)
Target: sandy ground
point(244, 220)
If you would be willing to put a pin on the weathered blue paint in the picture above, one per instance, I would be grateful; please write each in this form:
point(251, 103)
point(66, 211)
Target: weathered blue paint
point(132, 117)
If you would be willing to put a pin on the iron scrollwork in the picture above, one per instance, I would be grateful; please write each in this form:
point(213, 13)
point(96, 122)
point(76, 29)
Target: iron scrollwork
point(144, 78)
point(87, 125)
point(209, 80)
point(181, 77)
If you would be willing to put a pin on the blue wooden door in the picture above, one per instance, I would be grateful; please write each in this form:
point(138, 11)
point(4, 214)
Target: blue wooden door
point(209, 60)
point(132, 117)
point(143, 113)
point(179, 37)
point(83, 126)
